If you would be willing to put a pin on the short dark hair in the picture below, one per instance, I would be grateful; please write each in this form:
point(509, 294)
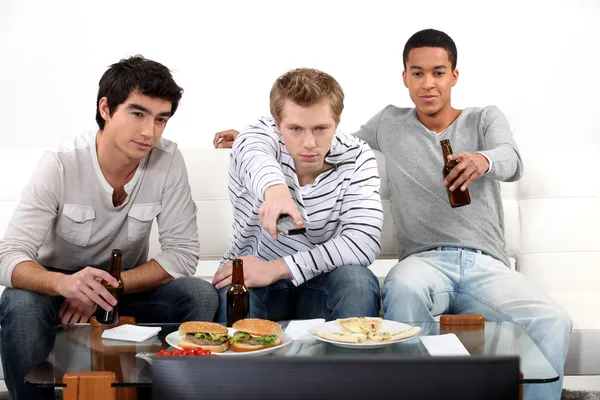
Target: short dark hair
point(148, 77)
point(431, 38)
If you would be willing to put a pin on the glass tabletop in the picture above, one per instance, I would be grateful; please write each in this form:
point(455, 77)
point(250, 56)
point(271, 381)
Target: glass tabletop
point(80, 348)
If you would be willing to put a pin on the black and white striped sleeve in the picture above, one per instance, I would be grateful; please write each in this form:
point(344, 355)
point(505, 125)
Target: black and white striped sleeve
point(358, 241)
point(255, 159)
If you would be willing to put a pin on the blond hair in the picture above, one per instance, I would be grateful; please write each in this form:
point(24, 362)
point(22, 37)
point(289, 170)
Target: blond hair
point(306, 86)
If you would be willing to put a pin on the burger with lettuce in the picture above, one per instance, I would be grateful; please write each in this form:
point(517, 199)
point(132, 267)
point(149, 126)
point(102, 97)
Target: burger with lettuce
point(206, 335)
point(254, 334)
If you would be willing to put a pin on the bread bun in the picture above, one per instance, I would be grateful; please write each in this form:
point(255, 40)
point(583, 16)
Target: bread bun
point(184, 344)
point(199, 326)
point(257, 327)
point(244, 347)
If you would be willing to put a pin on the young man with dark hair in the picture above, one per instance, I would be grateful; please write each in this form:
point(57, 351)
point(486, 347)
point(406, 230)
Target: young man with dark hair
point(296, 162)
point(95, 193)
point(454, 260)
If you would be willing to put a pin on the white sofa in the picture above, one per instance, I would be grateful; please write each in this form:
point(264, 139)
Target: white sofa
point(552, 219)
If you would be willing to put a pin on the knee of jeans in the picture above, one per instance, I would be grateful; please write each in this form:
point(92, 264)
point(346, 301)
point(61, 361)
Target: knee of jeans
point(356, 279)
point(18, 305)
point(563, 321)
point(194, 291)
point(554, 323)
point(395, 286)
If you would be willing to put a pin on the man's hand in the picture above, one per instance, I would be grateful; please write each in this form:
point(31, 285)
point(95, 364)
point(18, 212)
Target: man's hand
point(225, 139)
point(278, 201)
point(471, 166)
point(257, 273)
point(85, 286)
point(73, 311)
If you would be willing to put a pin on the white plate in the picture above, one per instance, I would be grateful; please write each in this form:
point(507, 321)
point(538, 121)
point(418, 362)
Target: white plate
point(173, 339)
point(335, 327)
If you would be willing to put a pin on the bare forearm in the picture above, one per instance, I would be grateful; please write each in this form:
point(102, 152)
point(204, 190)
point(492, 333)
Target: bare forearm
point(145, 277)
point(283, 272)
point(31, 276)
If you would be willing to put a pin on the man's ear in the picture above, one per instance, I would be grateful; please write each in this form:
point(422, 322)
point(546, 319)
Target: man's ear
point(103, 108)
point(404, 78)
point(454, 76)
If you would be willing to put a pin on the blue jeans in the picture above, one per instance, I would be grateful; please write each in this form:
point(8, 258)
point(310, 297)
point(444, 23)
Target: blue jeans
point(28, 320)
point(457, 281)
point(348, 291)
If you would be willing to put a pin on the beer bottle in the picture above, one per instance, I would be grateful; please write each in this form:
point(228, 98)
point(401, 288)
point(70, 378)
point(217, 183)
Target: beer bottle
point(112, 317)
point(238, 297)
point(457, 198)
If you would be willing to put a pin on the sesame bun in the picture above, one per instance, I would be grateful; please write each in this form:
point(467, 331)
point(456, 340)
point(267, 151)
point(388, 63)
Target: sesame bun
point(184, 344)
point(245, 347)
point(207, 327)
point(257, 327)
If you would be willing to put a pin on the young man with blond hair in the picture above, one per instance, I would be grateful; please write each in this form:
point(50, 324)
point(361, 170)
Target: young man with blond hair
point(297, 163)
point(454, 260)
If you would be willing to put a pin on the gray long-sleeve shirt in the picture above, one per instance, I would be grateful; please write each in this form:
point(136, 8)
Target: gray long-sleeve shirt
point(66, 219)
point(422, 213)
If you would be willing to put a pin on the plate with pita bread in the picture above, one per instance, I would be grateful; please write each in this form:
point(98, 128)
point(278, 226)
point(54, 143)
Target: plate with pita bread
point(363, 332)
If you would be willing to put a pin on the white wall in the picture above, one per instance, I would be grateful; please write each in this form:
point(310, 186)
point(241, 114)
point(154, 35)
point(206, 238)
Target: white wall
point(537, 60)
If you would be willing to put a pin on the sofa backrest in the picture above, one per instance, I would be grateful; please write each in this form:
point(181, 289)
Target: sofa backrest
point(208, 172)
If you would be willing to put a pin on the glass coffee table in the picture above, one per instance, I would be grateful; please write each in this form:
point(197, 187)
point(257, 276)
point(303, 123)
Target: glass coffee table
point(79, 348)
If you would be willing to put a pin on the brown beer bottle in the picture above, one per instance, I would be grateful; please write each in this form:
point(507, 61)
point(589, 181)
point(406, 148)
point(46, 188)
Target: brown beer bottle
point(457, 198)
point(112, 317)
point(238, 297)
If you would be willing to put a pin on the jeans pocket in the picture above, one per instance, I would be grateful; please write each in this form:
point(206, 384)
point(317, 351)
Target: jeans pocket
point(75, 224)
point(139, 221)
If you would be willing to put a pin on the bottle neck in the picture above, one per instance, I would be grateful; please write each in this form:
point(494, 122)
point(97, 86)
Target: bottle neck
point(446, 151)
point(237, 277)
point(115, 268)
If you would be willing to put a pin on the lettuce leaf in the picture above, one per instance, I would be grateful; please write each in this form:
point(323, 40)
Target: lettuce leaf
point(211, 336)
point(239, 335)
point(266, 340)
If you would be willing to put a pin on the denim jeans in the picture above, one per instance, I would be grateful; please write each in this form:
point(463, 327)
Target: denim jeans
point(348, 291)
point(459, 281)
point(28, 320)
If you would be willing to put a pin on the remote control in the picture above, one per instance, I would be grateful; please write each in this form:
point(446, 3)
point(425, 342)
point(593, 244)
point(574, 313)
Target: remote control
point(287, 226)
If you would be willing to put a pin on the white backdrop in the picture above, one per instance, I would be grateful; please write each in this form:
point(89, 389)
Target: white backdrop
point(537, 60)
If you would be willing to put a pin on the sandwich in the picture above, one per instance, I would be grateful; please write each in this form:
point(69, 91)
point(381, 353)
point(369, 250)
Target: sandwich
point(254, 334)
point(393, 336)
point(206, 335)
point(345, 337)
point(364, 325)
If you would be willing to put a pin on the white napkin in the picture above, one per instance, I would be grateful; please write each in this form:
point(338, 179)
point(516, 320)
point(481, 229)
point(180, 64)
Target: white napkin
point(444, 345)
point(298, 329)
point(131, 333)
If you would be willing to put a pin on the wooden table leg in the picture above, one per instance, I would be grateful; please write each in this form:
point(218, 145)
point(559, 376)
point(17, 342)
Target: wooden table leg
point(106, 358)
point(95, 385)
point(521, 386)
point(469, 328)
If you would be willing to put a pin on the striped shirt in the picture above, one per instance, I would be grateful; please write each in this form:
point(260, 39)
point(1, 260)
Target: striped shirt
point(341, 210)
